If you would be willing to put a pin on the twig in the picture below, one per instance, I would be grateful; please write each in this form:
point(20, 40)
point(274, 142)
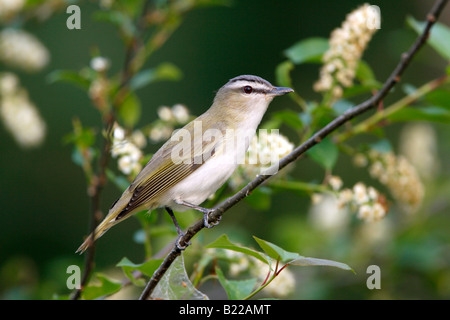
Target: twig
point(218, 211)
point(99, 180)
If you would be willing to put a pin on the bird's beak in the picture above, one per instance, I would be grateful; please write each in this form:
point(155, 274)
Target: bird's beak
point(279, 91)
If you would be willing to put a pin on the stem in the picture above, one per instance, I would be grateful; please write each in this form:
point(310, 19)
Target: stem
point(383, 114)
point(299, 186)
point(99, 180)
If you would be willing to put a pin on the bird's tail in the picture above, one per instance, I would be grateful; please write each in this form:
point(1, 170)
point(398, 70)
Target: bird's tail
point(114, 217)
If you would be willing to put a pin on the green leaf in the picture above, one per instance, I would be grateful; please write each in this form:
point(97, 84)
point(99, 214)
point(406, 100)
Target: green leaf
point(117, 18)
point(81, 79)
point(165, 71)
point(366, 76)
point(130, 110)
point(382, 146)
point(106, 287)
point(307, 50)
point(147, 268)
point(305, 261)
point(324, 153)
point(224, 242)
point(260, 198)
point(236, 289)
point(120, 181)
point(439, 98)
point(439, 36)
point(431, 113)
point(290, 118)
point(175, 284)
point(282, 74)
point(341, 106)
point(275, 252)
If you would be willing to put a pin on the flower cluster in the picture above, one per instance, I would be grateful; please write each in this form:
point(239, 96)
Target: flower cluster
point(399, 176)
point(19, 114)
point(347, 45)
point(367, 201)
point(127, 149)
point(22, 50)
point(418, 143)
point(169, 117)
point(265, 149)
point(329, 210)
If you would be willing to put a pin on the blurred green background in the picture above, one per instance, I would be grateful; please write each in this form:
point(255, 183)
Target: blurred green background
point(45, 209)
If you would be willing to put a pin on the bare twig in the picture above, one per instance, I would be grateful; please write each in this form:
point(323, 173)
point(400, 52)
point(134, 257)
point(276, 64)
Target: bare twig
point(218, 211)
point(99, 179)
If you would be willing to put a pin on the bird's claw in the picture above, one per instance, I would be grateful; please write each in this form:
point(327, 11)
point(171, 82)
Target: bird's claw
point(206, 218)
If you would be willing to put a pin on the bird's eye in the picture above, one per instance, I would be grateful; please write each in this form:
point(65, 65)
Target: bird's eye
point(248, 89)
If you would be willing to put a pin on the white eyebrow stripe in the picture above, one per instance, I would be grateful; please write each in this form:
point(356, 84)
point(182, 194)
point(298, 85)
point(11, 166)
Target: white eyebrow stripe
point(255, 85)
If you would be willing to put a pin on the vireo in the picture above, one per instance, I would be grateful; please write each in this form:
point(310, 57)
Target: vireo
point(199, 158)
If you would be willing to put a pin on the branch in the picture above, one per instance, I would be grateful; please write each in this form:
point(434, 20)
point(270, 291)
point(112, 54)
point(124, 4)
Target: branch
point(219, 210)
point(99, 180)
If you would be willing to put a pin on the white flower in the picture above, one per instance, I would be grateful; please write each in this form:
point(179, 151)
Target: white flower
point(367, 201)
point(327, 214)
point(400, 177)
point(283, 284)
point(22, 50)
point(240, 262)
point(418, 143)
point(9, 8)
point(264, 150)
point(9, 84)
point(165, 113)
point(360, 193)
point(347, 45)
point(160, 133)
point(335, 182)
point(22, 120)
point(100, 64)
point(180, 113)
point(128, 153)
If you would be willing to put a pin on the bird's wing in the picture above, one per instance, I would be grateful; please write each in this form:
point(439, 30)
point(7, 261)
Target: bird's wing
point(162, 172)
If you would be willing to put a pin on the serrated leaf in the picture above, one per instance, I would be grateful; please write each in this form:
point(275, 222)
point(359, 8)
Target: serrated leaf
point(130, 110)
point(165, 71)
point(236, 289)
point(324, 153)
point(276, 252)
point(307, 50)
point(224, 242)
point(439, 36)
point(107, 286)
point(306, 261)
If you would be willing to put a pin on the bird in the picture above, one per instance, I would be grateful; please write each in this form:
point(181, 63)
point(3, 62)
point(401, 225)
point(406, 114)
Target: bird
point(198, 158)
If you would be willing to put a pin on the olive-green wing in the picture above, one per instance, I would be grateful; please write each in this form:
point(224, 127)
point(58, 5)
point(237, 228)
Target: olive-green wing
point(161, 172)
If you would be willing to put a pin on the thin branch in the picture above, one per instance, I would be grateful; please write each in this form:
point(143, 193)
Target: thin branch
point(99, 180)
point(218, 211)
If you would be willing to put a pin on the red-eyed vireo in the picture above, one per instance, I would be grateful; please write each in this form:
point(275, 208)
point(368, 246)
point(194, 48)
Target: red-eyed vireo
point(199, 158)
